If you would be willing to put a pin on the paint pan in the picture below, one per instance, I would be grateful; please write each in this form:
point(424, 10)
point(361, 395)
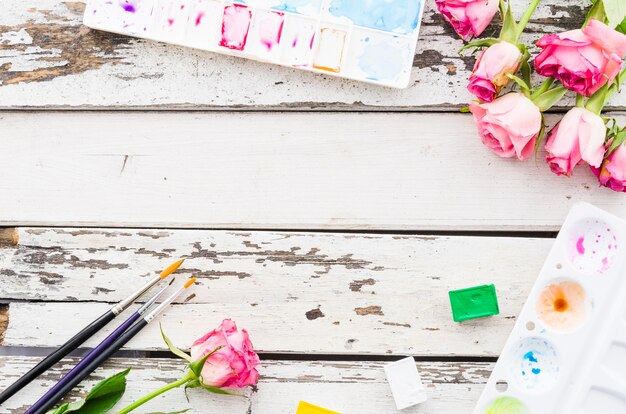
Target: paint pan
point(371, 41)
point(567, 351)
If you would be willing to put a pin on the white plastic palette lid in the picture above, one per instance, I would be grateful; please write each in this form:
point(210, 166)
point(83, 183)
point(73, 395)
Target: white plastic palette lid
point(406, 383)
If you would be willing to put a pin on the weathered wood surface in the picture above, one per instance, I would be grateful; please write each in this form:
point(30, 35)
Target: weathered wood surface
point(49, 60)
point(297, 292)
point(348, 387)
point(399, 171)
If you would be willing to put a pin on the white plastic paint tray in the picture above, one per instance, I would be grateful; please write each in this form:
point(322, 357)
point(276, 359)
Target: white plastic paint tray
point(567, 351)
point(372, 41)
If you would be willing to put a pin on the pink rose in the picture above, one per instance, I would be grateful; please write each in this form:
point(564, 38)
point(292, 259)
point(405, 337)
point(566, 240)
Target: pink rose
point(509, 126)
point(468, 17)
point(612, 174)
point(232, 366)
point(582, 59)
point(579, 136)
point(491, 69)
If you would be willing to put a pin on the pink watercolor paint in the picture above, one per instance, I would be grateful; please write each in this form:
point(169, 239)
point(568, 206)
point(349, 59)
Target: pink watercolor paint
point(235, 26)
point(270, 29)
point(580, 246)
point(297, 39)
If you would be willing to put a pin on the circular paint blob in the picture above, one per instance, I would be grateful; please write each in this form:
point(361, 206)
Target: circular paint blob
point(563, 306)
point(535, 366)
point(505, 405)
point(593, 246)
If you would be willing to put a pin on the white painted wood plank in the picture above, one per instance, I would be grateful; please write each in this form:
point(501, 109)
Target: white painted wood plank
point(295, 292)
point(276, 170)
point(48, 60)
point(452, 387)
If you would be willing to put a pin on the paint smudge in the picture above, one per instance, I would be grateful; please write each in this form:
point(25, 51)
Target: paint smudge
point(298, 38)
point(171, 20)
point(266, 35)
point(537, 367)
point(206, 16)
point(505, 405)
point(594, 249)
point(330, 49)
point(380, 57)
point(398, 16)
point(563, 306)
point(235, 26)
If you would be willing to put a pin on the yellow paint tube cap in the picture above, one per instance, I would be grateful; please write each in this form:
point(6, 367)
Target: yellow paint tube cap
point(307, 408)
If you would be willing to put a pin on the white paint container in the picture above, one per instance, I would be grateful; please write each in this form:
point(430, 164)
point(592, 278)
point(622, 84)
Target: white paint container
point(567, 351)
point(405, 382)
point(372, 42)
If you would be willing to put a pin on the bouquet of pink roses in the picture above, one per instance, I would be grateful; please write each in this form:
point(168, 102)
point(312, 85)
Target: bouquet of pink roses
point(509, 110)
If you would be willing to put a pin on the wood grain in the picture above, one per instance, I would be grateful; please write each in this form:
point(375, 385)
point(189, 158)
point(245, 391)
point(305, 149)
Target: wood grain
point(395, 171)
point(452, 387)
point(49, 60)
point(297, 292)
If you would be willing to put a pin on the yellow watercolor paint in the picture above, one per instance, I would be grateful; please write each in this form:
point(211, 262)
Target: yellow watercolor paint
point(306, 408)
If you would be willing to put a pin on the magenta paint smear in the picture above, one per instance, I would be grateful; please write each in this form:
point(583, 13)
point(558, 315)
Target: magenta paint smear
point(580, 245)
point(235, 26)
point(270, 29)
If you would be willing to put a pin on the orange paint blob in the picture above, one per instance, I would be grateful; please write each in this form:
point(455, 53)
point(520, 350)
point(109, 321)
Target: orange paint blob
point(562, 306)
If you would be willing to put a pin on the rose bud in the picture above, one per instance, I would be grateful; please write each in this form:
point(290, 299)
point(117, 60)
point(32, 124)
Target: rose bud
point(612, 173)
point(491, 70)
point(233, 364)
point(582, 59)
point(579, 136)
point(509, 125)
point(468, 17)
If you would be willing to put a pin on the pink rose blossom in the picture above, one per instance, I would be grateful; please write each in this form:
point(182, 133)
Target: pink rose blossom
point(579, 136)
point(582, 59)
point(232, 366)
point(612, 174)
point(509, 125)
point(468, 17)
point(491, 69)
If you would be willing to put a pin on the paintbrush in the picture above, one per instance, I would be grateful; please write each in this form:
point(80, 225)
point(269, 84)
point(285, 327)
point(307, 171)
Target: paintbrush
point(98, 349)
point(106, 353)
point(85, 334)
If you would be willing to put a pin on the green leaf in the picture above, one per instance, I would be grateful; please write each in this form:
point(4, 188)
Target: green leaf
point(196, 366)
point(59, 410)
point(596, 12)
point(464, 110)
point(615, 11)
point(216, 390)
point(618, 141)
point(622, 26)
point(549, 98)
point(479, 44)
point(598, 100)
point(509, 27)
point(521, 83)
point(173, 348)
point(102, 397)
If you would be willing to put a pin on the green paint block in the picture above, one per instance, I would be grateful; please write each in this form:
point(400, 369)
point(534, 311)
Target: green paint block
point(475, 302)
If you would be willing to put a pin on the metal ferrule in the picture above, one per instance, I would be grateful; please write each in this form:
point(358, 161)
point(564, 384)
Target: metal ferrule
point(150, 317)
point(152, 300)
point(119, 308)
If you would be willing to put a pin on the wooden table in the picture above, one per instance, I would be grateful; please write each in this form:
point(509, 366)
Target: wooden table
point(329, 218)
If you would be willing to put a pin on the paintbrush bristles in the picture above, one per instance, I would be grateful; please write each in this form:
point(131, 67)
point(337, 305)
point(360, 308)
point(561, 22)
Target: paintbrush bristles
point(171, 268)
point(190, 282)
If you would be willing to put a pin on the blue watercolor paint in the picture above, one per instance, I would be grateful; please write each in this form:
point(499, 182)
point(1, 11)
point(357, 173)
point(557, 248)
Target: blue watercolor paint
point(297, 6)
point(399, 16)
point(531, 357)
point(381, 61)
point(536, 371)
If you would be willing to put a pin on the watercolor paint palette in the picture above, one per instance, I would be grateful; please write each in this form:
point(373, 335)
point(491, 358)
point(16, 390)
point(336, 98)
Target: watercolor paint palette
point(371, 40)
point(567, 351)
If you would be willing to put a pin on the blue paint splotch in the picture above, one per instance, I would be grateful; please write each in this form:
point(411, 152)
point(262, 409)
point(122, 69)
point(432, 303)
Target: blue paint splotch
point(299, 6)
point(382, 61)
point(398, 16)
point(531, 357)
